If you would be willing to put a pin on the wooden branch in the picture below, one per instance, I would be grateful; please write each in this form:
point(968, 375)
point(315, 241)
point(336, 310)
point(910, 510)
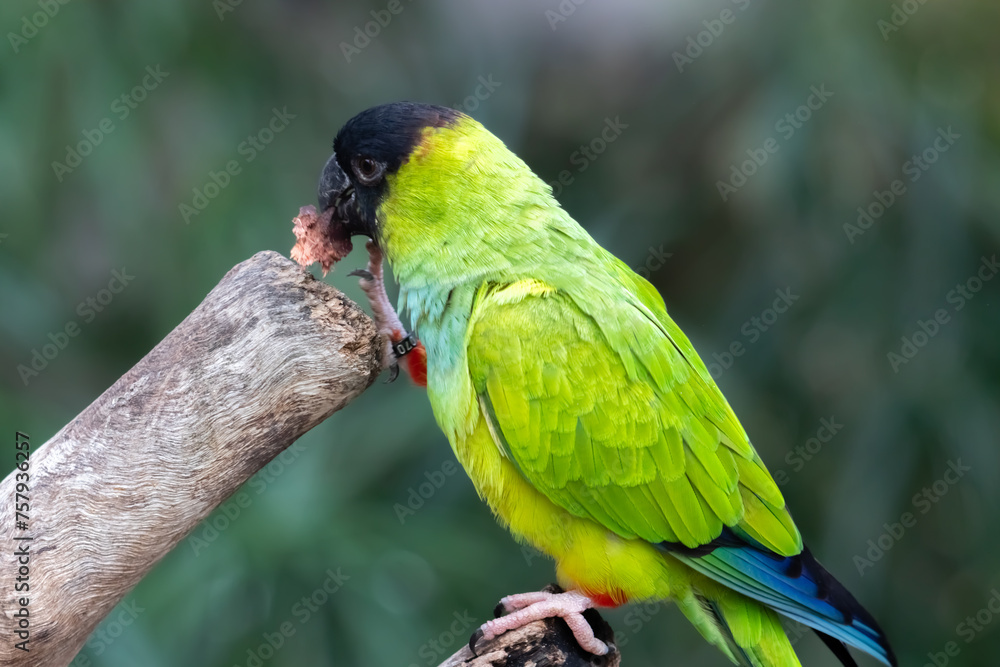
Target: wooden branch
point(269, 354)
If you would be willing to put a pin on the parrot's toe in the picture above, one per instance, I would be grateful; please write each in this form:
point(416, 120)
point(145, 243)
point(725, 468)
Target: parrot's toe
point(530, 607)
point(518, 601)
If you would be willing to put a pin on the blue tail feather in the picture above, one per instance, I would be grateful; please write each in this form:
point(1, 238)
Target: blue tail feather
point(796, 586)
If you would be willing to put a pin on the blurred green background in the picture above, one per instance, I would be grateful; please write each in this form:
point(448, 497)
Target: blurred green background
point(694, 91)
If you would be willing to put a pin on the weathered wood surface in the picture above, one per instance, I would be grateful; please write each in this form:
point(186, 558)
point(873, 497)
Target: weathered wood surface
point(269, 354)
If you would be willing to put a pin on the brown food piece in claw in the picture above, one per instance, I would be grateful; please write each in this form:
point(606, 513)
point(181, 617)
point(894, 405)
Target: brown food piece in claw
point(319, 239)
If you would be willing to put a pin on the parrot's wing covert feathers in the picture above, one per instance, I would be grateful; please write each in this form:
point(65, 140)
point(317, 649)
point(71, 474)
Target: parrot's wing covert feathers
point(606, 409)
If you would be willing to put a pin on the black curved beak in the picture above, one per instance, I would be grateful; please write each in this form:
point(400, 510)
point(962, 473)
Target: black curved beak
point(336, 191)
point(333, 183)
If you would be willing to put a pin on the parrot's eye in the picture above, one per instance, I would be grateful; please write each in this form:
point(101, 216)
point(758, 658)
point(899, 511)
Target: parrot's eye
point(368, 170)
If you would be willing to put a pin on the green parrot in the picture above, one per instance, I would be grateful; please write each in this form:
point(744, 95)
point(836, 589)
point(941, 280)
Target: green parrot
point(579, 409)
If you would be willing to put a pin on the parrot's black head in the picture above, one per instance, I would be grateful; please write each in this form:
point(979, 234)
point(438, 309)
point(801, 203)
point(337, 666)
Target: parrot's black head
point(369, 147)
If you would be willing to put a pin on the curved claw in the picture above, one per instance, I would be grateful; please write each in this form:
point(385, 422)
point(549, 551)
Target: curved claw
point(393, 373)
point(474, 639)
point(363, 274)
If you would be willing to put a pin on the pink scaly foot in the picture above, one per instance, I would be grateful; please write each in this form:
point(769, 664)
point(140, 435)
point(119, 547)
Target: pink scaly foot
point(373, 285)
point(530, 607)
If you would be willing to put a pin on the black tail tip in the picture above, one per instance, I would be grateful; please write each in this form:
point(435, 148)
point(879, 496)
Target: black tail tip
point(839, 650)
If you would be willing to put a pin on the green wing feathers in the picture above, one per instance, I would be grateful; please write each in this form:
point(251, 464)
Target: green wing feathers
point(605, 408)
